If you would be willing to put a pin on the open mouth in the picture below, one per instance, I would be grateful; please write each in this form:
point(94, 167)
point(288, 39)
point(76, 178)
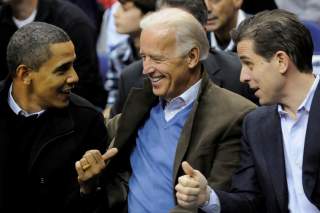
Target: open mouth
point(66, 91)
point(156, 79)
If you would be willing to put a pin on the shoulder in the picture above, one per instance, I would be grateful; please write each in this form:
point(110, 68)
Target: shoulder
point(134, 69)
point(80, 105)
point(132, 75)
point(65, 13)
point(260, 114)
point(229, 100)
point(222, 58)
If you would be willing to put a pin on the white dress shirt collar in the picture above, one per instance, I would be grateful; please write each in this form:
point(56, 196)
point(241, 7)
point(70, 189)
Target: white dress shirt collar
point(17, 109)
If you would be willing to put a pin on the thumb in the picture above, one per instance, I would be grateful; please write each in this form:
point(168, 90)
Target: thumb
point(109, 154)
point(188, 170)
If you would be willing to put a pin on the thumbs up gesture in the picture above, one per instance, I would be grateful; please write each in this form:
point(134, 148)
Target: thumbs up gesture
point(192, 188)
point(90, 166)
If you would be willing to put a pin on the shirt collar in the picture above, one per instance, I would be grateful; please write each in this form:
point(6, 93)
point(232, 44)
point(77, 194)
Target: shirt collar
point(185, 98)
point(17, 109)
point(306, 103)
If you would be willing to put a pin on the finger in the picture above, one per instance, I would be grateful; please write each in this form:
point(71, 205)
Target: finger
point(79, 168)
point(186, 198)
point(94, 157)
point(188, 181)
point(188, 170)
point(185, 204)
point(109, 154)
point(84, 164)
point(187, 190)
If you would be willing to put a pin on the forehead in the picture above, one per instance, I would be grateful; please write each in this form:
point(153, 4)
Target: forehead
point(157, 40)
point(245, 48)
point(63, 49)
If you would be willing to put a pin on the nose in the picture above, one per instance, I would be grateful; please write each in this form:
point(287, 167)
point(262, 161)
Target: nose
point(73, 77)
point(245, 75)
point(208, 4)
point(147, 65)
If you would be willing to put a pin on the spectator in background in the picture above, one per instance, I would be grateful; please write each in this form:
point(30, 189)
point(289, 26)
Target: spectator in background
point(305, 9)
point(92, 9)
point(44, 128)
point(280, 157)
point(127, 19)
point(223, 16)
point(17, 13)
point(179, 114)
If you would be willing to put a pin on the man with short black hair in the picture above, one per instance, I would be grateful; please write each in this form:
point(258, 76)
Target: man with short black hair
point(279, 166)
point(44, 128)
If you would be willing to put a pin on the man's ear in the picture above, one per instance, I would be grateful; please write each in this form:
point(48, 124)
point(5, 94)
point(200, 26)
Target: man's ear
point(282, 59)
point(193, 57)
point(23, 74)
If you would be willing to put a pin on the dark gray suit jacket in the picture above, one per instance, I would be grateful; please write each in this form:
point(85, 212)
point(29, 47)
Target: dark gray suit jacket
point(260, 184)
point(223, 69)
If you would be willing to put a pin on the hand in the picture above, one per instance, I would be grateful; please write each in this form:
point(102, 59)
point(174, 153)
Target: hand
point(90, 166)
point(192, 188)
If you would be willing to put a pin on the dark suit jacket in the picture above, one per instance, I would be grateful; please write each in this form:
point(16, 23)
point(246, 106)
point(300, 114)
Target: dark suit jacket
point(260, 183)
point(209, 141)
point(51, 177)
point(223, 69)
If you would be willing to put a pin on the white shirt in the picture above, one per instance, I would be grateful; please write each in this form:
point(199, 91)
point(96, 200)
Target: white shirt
point(17, 109)
point(21, 23)
point(294, 133)
point(182, 101)
point(230, 47)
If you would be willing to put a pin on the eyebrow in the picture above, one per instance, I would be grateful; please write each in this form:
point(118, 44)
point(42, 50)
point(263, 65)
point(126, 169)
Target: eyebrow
point(64, 67)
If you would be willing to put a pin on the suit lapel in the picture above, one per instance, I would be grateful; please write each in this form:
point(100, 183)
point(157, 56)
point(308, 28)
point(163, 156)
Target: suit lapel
point(311, 154)
point(185, 138)
point(274, 156)
point(136, 109)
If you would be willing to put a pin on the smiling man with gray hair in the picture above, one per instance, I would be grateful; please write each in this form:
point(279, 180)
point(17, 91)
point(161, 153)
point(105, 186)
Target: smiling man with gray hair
point(178, 115)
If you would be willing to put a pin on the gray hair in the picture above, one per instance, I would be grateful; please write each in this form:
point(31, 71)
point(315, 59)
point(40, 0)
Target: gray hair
point(30, 45)
point(189, 32)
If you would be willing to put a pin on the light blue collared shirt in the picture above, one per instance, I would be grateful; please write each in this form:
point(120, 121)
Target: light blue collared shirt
point(182, 101)
point(17, 109)
point(294, 132)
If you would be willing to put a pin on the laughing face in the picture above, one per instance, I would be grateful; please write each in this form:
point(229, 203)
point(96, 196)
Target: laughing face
point(167, 70)
point(51, 84)
point(263, 76)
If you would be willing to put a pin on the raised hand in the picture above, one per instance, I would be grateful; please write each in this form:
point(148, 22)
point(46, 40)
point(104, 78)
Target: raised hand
point(192, 188)
point(90, 166)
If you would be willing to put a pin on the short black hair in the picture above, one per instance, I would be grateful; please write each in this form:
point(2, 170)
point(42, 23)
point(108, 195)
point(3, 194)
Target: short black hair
point(196, 7)
point(276, 30)
point(144, 5)
point(30, 45)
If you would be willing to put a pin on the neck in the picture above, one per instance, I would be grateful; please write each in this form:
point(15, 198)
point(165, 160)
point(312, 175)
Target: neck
point(296, 91)
point(23, 9)
point(21, 96)
point(222, 35)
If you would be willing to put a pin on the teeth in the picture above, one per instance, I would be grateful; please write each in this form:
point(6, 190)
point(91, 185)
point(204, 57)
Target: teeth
point(156, 79)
